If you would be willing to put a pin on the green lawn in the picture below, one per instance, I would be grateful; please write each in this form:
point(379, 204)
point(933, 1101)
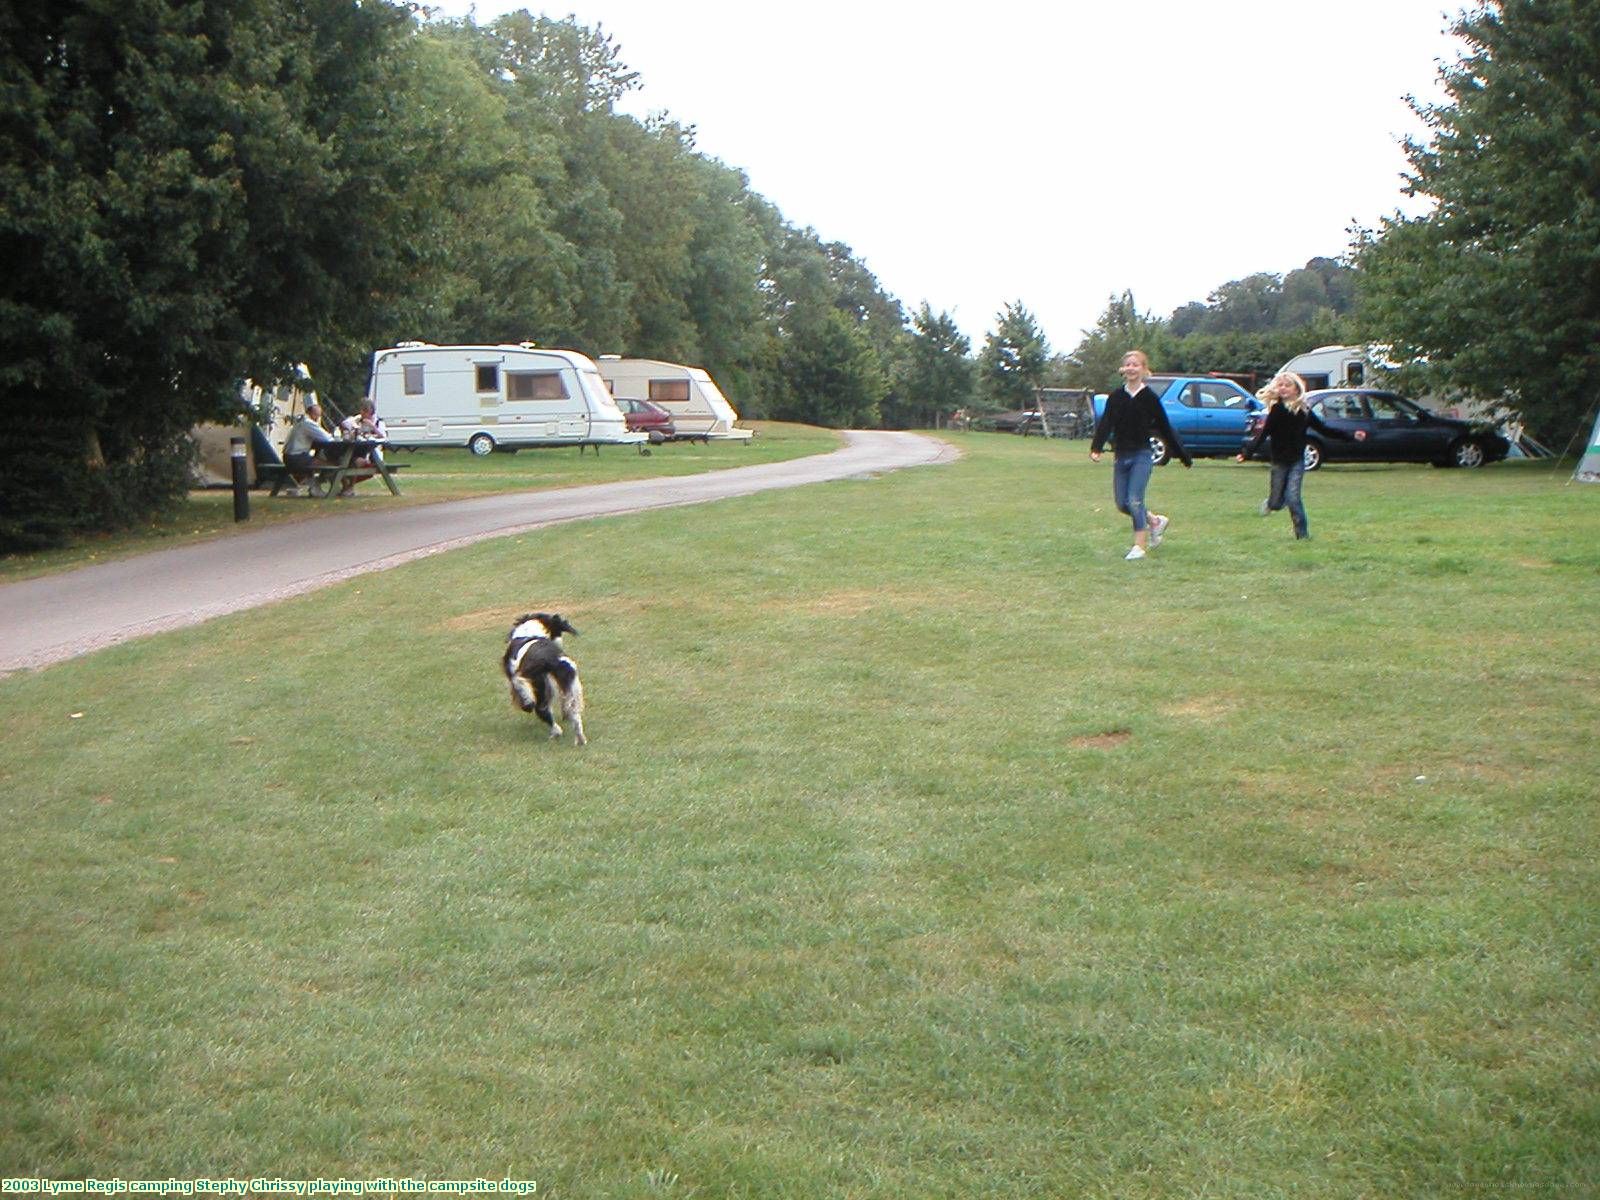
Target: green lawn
point(923, 848)
point(430, 476)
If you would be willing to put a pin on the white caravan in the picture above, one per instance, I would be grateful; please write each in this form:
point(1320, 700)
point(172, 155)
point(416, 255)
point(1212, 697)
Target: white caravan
point(698, 407)
point(489, 398)
point(1332, 367)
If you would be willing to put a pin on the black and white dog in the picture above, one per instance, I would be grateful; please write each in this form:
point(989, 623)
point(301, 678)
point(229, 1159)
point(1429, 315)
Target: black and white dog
point(540, 673)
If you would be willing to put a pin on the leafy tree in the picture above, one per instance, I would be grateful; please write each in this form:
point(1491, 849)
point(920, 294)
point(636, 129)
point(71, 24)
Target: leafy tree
point(1188, 319)
point(1121, 327)
point(1263, 301)
point(831, 375)
point(495, 269)
point(562, 80)
point(1304, 294)
point(724, 289)
point(937, 375)
point(1245, 305)
point(1499, 284)
point(1012, 363)
point(176, 184)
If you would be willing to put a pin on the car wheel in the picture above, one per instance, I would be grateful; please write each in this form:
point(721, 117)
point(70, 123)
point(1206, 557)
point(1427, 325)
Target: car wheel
point(1313, 458)
point(481, 445)
point(1468, 452)
point(1159, 454)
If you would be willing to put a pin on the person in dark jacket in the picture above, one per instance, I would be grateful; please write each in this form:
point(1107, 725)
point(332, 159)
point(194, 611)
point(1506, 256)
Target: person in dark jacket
point(1133, 414)
point(1288, 419)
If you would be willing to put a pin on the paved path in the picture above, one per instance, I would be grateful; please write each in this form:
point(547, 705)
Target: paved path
point(61, 616)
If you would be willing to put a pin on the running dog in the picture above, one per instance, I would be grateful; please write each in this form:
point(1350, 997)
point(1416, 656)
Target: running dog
point(539, 672)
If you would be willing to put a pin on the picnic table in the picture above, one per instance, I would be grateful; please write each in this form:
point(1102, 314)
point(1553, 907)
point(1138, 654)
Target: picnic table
point(337, 461)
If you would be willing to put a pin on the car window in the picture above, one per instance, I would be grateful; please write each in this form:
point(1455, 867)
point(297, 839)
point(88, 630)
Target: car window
point(1214, 395)
point(1342, 406)
point(1386, 408)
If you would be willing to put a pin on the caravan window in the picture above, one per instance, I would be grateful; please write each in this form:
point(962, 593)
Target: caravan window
point(488, 377)
point(413, 379)
point(536, 385)
point(669, 390)
point(1355, 374)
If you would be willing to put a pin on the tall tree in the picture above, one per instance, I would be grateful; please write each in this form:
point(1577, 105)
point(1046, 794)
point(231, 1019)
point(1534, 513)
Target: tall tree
point(937, 375)
point(724, 291)
point(176, 184)
point(1498, 286)
point(1012, 363)
point(1121, 327)
point(831, 374)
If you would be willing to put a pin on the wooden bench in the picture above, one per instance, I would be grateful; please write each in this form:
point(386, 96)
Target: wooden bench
point(324, 475)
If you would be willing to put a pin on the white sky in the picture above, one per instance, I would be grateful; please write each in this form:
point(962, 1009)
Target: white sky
point(1053, 153)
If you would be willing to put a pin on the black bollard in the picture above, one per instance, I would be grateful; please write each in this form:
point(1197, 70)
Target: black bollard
point(241, 481)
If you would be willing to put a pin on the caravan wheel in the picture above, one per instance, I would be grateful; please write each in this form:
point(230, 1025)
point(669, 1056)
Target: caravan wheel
point(481, 444)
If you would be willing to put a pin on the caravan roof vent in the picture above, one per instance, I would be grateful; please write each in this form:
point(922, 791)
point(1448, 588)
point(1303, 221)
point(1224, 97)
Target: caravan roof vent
point(529, 345)
point(611, 358)
point(410, 345)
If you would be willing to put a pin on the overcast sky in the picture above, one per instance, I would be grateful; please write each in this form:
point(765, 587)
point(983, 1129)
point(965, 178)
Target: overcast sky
point(975, 154)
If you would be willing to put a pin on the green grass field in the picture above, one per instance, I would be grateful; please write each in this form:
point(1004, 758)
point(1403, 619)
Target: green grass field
point(923, 848)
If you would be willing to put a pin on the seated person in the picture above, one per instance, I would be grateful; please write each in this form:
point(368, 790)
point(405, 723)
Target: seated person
point(304, 439)
point(365, 426)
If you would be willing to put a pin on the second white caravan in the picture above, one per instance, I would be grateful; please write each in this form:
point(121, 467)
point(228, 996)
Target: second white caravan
point(698, 407)
point(1331, 367)
point(490, 398)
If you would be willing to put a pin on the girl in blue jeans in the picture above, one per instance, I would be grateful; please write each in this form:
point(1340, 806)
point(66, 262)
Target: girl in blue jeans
point(1287, 421)
point(1133, 414)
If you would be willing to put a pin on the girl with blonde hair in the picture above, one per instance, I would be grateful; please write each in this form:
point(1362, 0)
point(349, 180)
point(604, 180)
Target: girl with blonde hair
point(1288, 419)
point(1133, 413)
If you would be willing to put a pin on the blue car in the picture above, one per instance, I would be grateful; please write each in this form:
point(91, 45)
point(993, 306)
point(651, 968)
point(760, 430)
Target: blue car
point(1209, 415)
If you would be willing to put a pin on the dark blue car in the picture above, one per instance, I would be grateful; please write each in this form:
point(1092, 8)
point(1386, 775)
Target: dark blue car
point(1209, 415)
point(1384, 427)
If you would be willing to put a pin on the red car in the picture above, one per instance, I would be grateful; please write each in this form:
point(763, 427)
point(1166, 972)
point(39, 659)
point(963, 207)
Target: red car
point(649, 418)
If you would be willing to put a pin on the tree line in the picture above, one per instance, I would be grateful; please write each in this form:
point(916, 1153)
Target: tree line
point(195, 192)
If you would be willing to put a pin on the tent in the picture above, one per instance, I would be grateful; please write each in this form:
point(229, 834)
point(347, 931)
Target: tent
point(1589, 465)
point(284, 404)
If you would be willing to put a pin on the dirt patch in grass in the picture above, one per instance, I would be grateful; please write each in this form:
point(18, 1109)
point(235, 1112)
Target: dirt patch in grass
point(1102, 741)
point(1204, 708)
point(848, 603)
point(484, 618)
point(1497, 774)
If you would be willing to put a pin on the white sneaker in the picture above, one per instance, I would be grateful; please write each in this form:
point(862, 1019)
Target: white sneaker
point(1136, 552)
point(1266, 507)
point(1158, 529)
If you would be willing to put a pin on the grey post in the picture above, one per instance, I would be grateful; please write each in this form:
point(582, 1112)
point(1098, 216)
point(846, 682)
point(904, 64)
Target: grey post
point(241, 481)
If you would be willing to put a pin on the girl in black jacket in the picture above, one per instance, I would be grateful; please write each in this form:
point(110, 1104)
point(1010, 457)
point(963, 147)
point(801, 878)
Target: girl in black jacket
point(1133, 413)
point(1288, 418)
